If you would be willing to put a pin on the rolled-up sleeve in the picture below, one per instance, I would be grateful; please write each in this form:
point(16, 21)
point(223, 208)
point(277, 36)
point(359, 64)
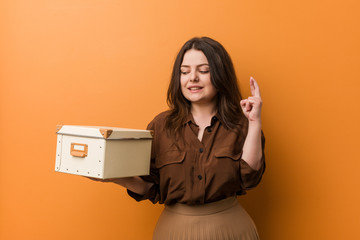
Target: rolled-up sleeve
point(153, 194)
point(250, 178)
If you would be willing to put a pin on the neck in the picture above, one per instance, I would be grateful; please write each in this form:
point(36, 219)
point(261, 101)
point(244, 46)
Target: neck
point(203, 110)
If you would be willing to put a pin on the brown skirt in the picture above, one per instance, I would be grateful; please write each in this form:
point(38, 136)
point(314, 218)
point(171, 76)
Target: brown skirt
point(221, 220)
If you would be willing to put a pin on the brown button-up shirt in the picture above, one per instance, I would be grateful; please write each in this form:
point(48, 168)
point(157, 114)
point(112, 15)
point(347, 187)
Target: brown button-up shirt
point(194, 172)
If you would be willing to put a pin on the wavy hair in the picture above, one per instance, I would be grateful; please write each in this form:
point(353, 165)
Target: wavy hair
point(223, 78)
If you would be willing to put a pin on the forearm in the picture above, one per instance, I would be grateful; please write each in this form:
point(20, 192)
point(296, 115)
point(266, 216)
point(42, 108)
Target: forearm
point(134, 184)
point(252, 149)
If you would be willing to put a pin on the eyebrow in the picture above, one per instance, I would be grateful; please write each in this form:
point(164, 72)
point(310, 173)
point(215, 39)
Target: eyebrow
point(200, 65)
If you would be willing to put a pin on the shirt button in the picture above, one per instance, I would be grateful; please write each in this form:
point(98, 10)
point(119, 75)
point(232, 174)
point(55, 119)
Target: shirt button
point(199, 177)
point(201, 150)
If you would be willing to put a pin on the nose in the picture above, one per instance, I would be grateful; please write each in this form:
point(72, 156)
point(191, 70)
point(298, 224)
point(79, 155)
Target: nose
point(194, 76)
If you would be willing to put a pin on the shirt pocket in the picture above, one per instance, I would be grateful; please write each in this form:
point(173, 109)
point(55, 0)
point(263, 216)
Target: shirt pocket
point(172, 174)
point(227, 165)
point(168, 158)
point(227, 153)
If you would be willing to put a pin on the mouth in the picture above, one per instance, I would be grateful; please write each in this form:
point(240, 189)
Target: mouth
point(195, 88)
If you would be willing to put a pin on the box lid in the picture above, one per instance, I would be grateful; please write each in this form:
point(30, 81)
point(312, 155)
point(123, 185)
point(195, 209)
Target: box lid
point(103, 132)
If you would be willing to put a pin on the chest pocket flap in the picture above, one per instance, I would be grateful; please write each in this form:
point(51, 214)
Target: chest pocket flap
point(169, 157)
point(227, 152)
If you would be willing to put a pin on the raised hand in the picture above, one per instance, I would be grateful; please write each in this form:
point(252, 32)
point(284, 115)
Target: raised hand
point(251, 106)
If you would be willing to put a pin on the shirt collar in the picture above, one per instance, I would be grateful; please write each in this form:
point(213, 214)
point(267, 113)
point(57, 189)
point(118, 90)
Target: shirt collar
point(189, 118)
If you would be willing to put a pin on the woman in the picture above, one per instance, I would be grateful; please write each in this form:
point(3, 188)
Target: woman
point(207, 149)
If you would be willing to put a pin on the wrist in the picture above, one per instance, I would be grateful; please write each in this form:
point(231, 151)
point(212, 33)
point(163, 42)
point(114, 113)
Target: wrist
point(255, 124)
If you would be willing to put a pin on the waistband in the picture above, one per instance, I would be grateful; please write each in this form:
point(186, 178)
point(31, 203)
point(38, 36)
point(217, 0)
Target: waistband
point(203, 209)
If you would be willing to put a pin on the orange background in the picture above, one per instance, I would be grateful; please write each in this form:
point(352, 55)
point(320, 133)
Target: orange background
point(108, 62)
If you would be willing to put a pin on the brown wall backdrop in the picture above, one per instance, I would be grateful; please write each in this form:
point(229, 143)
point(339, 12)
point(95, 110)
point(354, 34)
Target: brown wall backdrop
point(108, 62)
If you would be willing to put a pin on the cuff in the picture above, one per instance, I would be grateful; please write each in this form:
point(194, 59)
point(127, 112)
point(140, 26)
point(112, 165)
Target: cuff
point(250, 178)
point(151, 195)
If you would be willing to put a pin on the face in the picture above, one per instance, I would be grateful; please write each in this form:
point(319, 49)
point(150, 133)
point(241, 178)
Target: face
point(195, 80)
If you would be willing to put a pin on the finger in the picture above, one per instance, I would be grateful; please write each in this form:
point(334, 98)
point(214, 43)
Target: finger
point(243, 103)
point(252, 86)
point(255, 106)
point(93, 179)
point(248, 106)
point(97, 179)
point(255, 90)
point(252, 102)
point(255, 100)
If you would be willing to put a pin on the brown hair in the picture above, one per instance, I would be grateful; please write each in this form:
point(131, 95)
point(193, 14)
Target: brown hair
point(222, 76)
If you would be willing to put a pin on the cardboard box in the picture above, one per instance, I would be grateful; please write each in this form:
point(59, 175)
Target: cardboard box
point(103, 152)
